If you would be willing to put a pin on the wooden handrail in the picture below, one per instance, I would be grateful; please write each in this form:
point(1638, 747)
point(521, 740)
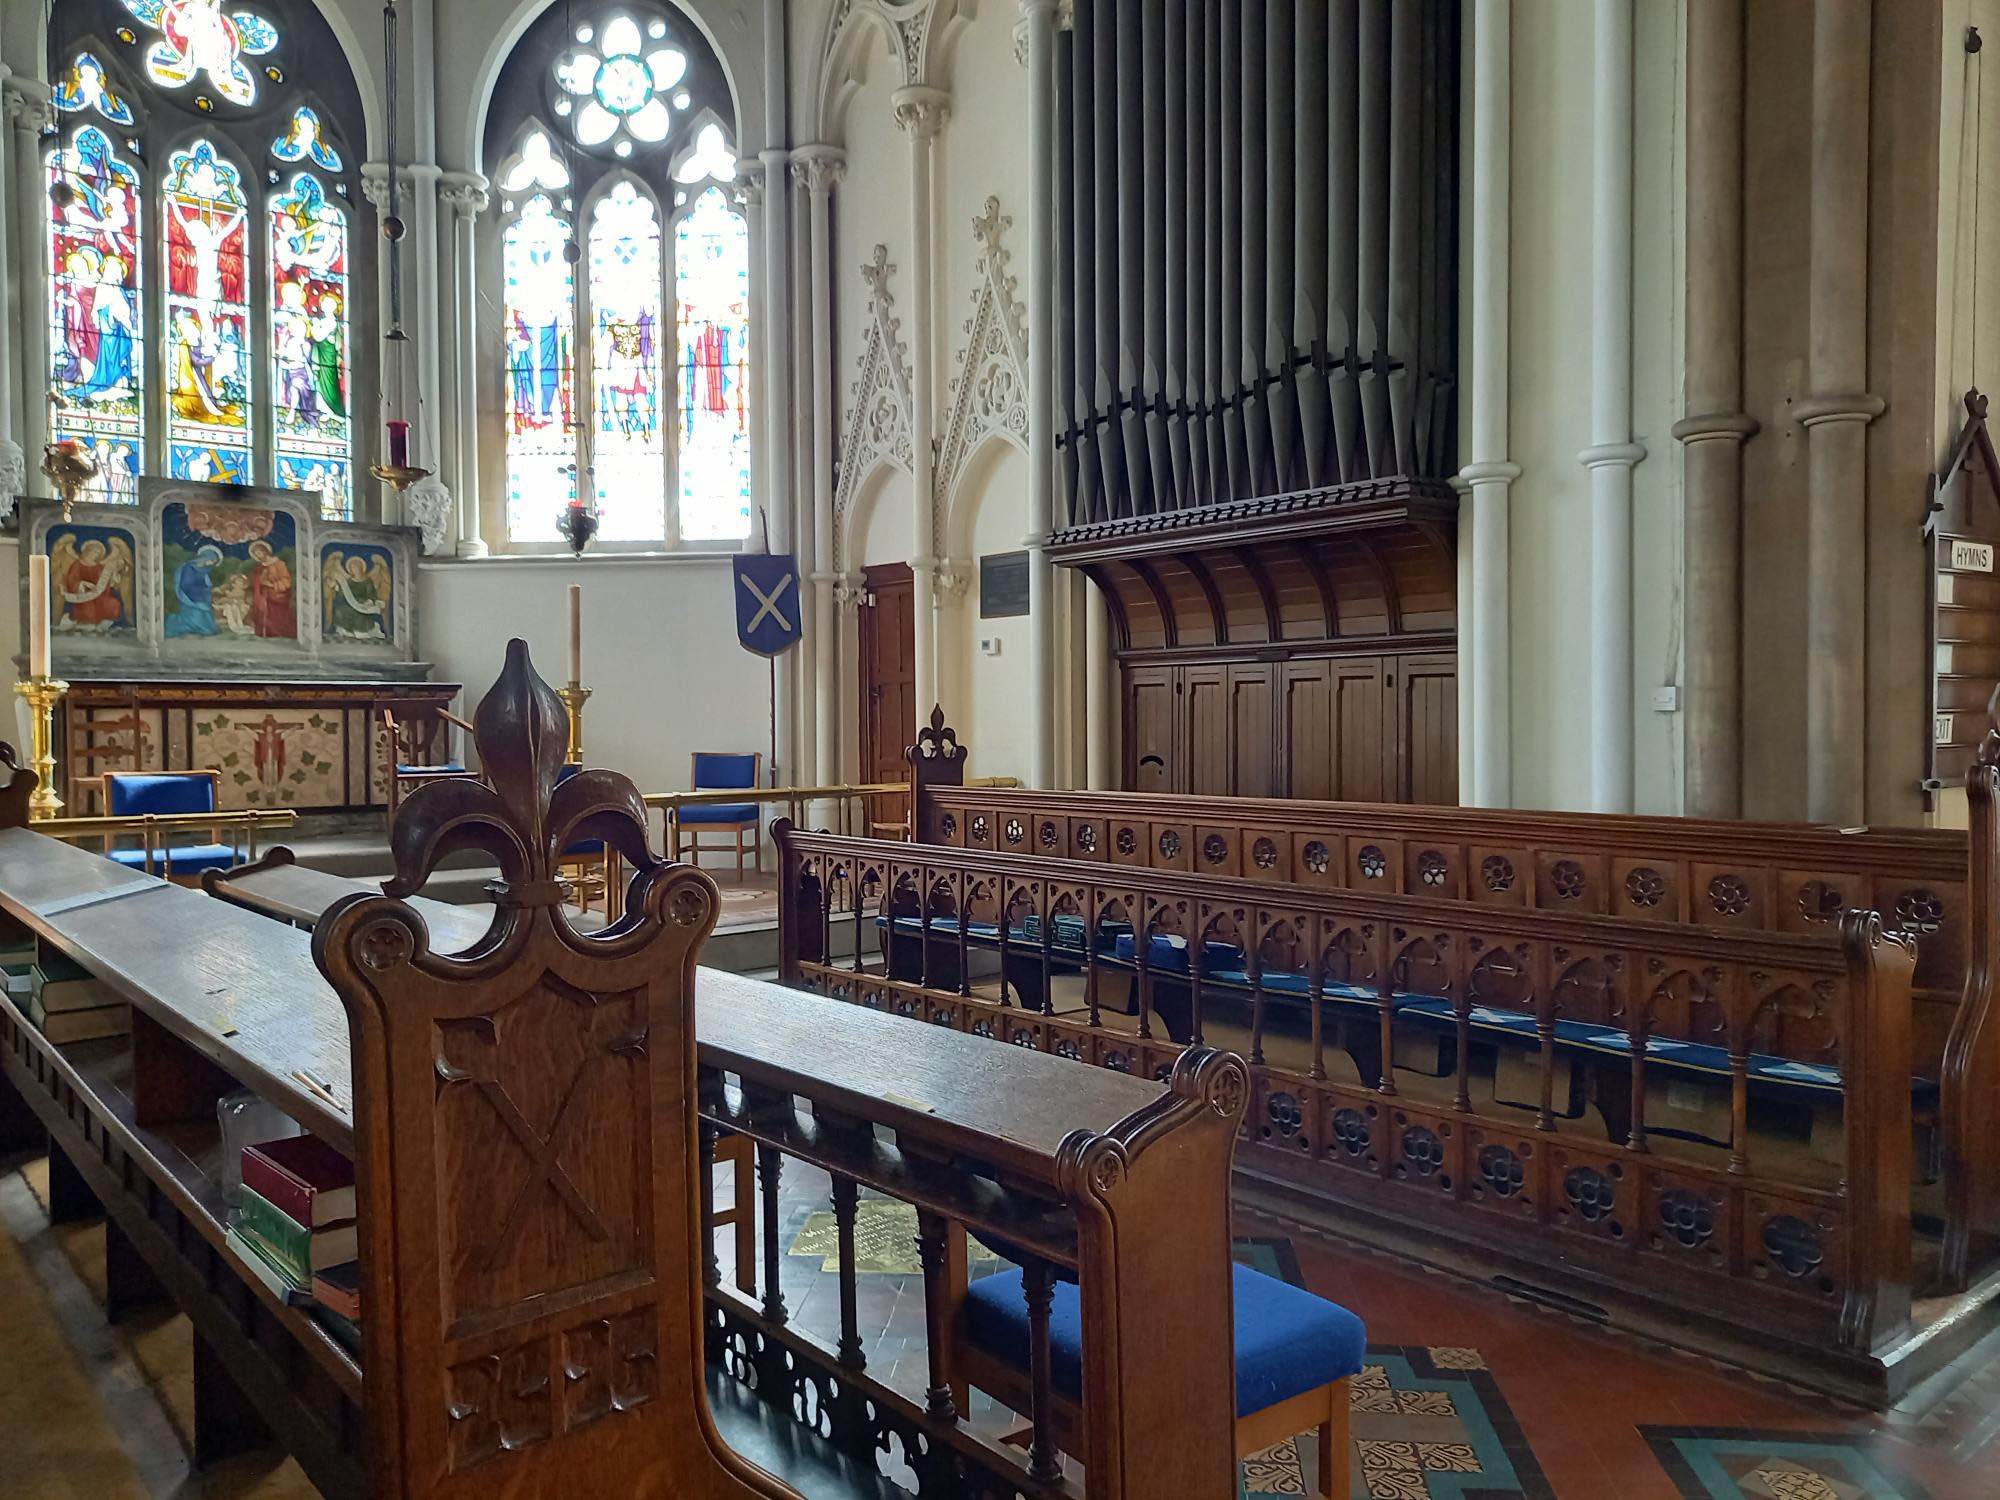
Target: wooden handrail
point(100, 825)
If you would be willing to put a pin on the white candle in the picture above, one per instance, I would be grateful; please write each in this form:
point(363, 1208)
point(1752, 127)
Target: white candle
point(575, 632)
point(38, 615)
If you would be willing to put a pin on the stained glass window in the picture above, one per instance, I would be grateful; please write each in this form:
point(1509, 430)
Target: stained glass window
point(632, 155)
point(198, 40)
point(628, 465)
point(96, 334)
point(305, 141)
point(207, 269)
point(84, 87)
point(712, 299)
point(309, 338)
point(541, 375)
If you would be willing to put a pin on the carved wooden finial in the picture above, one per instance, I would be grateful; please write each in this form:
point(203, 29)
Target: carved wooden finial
point(19, 787)
point(937, 741)
point(1975, 404)
point(520, 814)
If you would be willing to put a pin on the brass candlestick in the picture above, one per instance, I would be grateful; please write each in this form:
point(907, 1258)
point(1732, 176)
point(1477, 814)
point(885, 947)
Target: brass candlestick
point(42, 694)
point(573, 698)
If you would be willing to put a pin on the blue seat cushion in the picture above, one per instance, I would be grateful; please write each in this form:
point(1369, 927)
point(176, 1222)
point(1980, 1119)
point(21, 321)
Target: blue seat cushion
point(132, 796)
point(449, 768)
point(720, 812)
point(186, 859)
point(723, 770)
point(1288, 1341)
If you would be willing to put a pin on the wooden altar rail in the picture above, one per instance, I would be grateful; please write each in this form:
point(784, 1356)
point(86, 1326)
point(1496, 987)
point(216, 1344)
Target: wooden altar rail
point(523, 1118)
point(153, 826)
point(1937, 886)
point(843, 795)
point(1778, 1253)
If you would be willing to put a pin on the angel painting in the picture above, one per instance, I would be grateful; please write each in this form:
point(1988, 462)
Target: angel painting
point(95, 575)
point(356, 587)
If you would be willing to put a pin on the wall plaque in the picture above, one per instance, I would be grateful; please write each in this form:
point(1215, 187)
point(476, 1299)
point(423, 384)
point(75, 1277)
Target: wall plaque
point(1003, 585)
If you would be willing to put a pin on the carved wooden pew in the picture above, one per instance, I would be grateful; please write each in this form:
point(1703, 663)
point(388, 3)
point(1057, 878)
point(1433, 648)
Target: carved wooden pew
point(1935, 885)
point(1808, 1259)
point(540, 1316)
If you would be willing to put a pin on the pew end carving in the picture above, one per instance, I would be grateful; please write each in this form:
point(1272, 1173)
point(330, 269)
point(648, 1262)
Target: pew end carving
point(525, 1145)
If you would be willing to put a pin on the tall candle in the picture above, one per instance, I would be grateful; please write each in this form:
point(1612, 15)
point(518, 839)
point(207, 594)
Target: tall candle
point(575, 632)
point(399, 445)
point(38, 615)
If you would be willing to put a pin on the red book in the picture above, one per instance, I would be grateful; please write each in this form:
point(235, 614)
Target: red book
point(303, 1177)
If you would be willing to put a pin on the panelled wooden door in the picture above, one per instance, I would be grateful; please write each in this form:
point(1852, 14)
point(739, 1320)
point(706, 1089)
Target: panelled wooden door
point(888, 717)
point(1348, 728)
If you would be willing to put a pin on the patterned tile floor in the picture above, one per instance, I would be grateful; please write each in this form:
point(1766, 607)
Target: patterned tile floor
point(1468, 1395)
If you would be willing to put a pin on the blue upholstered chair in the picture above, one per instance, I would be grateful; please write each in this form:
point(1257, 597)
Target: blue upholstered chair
point(722, 771)
point(184, 854)
point(409, 747)
point(1295, 1354)
point(591, 867)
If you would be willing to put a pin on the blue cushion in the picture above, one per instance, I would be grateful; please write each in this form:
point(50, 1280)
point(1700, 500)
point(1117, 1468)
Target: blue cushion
point(1288, 1341)
point(723, 773)
point(719, 812)
point(185, 859)
point(132, 796)
point(450, 767)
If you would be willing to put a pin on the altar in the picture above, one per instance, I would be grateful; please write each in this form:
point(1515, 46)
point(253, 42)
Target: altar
point(230, 627)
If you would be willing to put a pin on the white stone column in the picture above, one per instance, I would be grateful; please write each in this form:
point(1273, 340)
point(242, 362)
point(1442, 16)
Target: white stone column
point(1612, 453)
point(819, 169)
point(1039, 19)
point(465, 194)
point(750, 199)
point(13, 462)
point(1490, 475)
point(1836, 418)
point(28, 108)
point(921, 113)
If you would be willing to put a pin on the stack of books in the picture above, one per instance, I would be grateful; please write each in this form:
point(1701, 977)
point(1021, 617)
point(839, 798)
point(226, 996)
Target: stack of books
point(68, 1003)
point(17, 967)
point(294, 1221)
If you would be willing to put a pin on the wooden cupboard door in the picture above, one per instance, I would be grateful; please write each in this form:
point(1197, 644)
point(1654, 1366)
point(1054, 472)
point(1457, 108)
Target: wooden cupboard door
point(1253, 748)
point(1304, 730)
point(888, 686)
point(1152, 737)
point(1425, 697)
point(1205, 717)
point(1362, 746)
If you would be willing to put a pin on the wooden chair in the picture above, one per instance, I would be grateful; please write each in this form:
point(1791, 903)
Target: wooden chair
point(1295, 1354)
point(101, 740)
point(719, 770)
point(132, 794)
point(407, 746)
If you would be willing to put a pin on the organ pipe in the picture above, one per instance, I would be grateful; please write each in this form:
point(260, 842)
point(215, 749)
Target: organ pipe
point(1259, 204)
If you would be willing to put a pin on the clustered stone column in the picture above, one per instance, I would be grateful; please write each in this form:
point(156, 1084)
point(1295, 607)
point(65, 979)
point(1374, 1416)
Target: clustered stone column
point(1039, 19)
point(13, 462)
point(921, 112)
point(1490, 474)
point(1612, 453)
point(1715, 426)
point(465, 194)
point(1836, 417)
point(28, 109)
point(818, 169)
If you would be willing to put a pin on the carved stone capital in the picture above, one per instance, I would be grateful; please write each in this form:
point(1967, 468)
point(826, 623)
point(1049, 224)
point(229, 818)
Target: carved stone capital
point(952, 580)
point(428, 505)
point(850, 593)
point(28, 104)
point(749, 189)
point(1715, 427)
point(13, 475)
point(921, 111)
point(819, 169)
point(464, 193)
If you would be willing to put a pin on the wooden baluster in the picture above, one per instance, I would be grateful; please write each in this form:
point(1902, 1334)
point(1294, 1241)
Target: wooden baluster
point(1196, 948)
point(711, 1266)
point(1385, 1001)
point(964, 920)
point(1044, 1460)
point(1142, 951)
point(1739, 1110)
point(924, 932)
point(1545, 1034)
point(856, 898)
point(769, 1161)
point(1048, 960)
point(1462, 1031)
point(1090, 973)
point(846, 1202)
point(1006, 923)
point(1316, 999)
point(1635, 1132)
point(1254, 959)
point(941, 1280)
point(825, 926)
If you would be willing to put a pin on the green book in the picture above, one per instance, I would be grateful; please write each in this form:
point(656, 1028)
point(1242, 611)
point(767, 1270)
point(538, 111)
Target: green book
point(259, 1260)
point(301, 1251)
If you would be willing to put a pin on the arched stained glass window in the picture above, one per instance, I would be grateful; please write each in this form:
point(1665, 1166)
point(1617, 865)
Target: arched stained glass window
point(628, 464)
point(204, 222)
point(201, 237)
point(309, 335)
point(96, 332)
point(611, 126)
point(712, 303)
point(541, 368)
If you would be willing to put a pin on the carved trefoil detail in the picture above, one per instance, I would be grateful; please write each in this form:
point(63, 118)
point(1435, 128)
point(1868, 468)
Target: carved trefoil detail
point(989, 393)
point(879, 403)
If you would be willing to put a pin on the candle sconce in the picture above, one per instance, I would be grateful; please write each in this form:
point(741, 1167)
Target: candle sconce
point(70, 468)
point(402, 476)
